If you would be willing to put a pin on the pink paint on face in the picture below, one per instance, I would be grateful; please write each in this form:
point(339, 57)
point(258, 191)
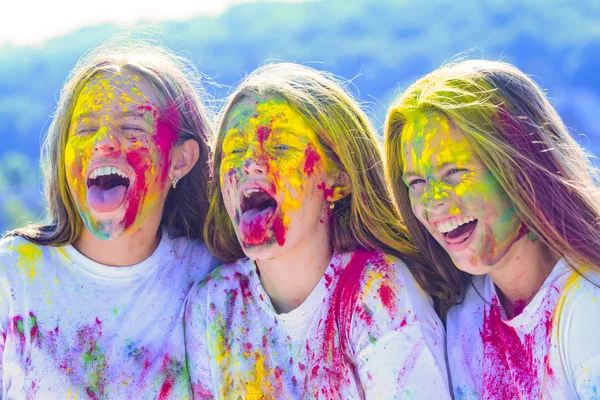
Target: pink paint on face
point(117, 153)
point(271, 165)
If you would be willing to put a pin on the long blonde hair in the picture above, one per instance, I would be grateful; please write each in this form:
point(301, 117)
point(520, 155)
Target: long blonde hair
point(521, 138)
point(176, 82)
point(367, 218)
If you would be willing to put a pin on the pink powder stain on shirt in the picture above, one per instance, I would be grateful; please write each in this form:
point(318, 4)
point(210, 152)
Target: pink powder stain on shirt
point(388, 299)
point(510, 368)
point(168, 369)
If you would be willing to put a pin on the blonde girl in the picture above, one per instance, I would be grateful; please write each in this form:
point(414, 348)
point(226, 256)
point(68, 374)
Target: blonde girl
point(91, 302)
point(322, 303)
point(495, 191)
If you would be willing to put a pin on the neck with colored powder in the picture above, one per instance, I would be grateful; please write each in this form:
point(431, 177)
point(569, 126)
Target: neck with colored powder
point(521, 273)
point(125, 251)
point(290, 278)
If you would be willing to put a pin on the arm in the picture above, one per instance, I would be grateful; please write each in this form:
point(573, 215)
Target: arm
point(400, 352)
point(196, 342)
point(580, 318)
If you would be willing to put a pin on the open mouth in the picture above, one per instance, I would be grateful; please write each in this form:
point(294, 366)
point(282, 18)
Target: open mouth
point(258, 208)
point(106, 188)
point(458, 231)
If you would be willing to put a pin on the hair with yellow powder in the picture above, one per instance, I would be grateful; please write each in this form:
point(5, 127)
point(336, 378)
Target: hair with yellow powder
point(522, 140)
point(367, 217)
point(177, 86)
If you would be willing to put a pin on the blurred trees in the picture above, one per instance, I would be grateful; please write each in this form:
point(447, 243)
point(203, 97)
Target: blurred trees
point(380, 45)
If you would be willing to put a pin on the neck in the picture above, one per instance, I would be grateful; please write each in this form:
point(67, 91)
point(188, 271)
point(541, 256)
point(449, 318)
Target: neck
point(121, 252)
point(521, 273)
point(290, 278)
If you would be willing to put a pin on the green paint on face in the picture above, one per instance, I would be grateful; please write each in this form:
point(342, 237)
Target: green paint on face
point(450, 186)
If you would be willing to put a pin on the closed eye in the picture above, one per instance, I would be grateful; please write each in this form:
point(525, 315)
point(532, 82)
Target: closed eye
point(85, 131)
point(132, 128)
point(238, 151)
point(282, 147)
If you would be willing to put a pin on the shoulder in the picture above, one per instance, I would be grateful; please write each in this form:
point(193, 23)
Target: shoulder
point(19, 252)
point(470, 303)
point(223, 279)
point(578, 318)
point(194, 253)
point(387, 289)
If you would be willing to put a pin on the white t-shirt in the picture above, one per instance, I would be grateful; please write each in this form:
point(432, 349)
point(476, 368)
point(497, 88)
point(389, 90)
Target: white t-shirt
point(366, 330)
point(551, 350)
point(72, 328)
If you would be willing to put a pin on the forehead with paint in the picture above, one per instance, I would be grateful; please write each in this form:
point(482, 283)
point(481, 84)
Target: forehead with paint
point(273, 167)
point(455, 196)
point(429, 144)
point(117, 153)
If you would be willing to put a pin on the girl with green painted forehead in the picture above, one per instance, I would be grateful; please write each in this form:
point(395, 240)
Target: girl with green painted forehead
point(504, 203)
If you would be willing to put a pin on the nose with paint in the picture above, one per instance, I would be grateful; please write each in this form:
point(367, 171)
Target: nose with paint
point(257, 202)
point(108, 178)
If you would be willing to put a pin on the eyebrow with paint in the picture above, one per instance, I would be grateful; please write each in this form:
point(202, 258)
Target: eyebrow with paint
point(125, 114)
point(436, 168)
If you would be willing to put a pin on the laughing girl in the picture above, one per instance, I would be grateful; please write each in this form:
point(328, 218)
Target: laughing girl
point(91, 304)
point(324, 306)
point(489, 181)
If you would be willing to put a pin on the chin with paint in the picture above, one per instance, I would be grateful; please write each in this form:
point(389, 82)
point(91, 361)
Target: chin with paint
point(501, 199)
point(99, 288)
point(318, 293)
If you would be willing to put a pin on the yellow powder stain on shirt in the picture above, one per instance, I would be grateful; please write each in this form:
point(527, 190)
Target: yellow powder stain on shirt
point(29, 256)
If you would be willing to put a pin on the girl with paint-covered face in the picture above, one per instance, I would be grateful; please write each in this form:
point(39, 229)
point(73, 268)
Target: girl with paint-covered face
point(92, 301)
point(503, 201)
point(324, 305)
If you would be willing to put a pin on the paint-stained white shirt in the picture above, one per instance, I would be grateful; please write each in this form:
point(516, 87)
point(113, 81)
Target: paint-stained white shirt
point(75, 329)
point(551, 350)
point(367, 329)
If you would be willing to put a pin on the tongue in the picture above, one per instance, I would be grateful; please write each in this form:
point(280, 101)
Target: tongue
point(253, 224)
point(105, 200)
point(461, 233)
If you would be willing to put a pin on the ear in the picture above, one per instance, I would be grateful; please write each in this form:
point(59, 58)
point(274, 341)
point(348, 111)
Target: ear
point(339, 184)
point(184, 157)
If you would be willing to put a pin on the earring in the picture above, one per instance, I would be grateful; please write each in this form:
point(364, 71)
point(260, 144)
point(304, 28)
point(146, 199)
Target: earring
point(331, 206)
point(174, 182)
point(532, 236)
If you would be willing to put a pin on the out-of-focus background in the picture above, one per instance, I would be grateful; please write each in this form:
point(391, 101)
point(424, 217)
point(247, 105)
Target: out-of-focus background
point(383, 46)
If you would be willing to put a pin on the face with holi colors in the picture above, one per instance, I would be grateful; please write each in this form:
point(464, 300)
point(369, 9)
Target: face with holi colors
point(275, 179)
point(455, 196)
point(117, 155)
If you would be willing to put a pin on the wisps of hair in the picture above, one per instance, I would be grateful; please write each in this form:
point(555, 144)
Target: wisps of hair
point(367, 218)
point(522, 140)
point(178, 86)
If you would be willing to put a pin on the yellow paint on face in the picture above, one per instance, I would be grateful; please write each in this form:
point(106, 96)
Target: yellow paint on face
point(268, 131)
point(116, 121)
point(446, 179)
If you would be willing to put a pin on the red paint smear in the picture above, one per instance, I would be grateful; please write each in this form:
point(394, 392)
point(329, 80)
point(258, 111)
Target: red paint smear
point(388, 299)
point(201, 391)
point(510, 367)
point(312, 158)
point(262, 134)
point(327, 192)
point(164, 138)
point(279, 230)
point(331, 362)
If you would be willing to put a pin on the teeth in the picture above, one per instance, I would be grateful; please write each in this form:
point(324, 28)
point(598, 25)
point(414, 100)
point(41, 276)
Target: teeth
point(108, 170)
point(248, 192)
point(451, 224)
